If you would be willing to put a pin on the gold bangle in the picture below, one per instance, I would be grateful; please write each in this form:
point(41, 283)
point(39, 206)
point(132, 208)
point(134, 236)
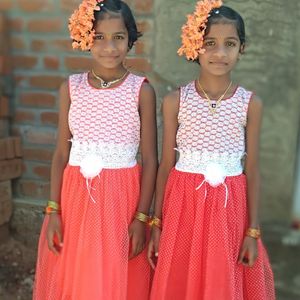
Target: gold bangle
point(155, 221)
point(53, 204)
point(142, 217)
point(50, 210)
point(253, 232)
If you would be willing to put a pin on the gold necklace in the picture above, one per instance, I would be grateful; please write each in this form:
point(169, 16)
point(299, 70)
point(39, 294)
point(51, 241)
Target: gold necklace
point(213, 106)
point(106, 84)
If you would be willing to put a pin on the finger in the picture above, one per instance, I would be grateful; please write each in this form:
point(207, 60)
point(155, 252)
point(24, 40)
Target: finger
point(252, 259)
point(133, 247)
point(59, 238)
point(242, 255)
point(150, 255)
point(51, 245)
point(156, 248)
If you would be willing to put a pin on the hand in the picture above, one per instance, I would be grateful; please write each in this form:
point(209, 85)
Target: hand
point(154, 246)
point(137, 234)
point(248, 252)
point(54, 234)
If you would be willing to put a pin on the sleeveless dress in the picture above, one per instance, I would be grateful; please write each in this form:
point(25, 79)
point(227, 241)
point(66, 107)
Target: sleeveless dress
point(99, 197)
point(205, 208)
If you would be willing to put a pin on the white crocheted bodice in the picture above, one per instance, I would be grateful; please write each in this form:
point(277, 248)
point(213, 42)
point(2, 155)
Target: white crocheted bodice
point(204, 138)
point(105, 122)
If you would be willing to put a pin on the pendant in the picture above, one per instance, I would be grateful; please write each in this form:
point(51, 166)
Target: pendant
point(213, 105)
point(105, 84)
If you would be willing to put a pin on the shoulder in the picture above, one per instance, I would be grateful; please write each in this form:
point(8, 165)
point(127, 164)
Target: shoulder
point(255, 109)
point(77, 78)
point(171, 101)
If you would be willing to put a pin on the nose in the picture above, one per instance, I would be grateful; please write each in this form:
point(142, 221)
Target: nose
point(220, 51)
point(109, 46)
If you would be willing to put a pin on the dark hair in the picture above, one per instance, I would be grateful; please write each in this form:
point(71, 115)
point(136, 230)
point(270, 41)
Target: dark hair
point(225, 14)
point(117, 8)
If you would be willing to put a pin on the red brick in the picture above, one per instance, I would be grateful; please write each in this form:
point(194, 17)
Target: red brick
point(23, 116)
point(10, 169)
point(144, 26)
point(46, 82)
point(5, 5)
point(69, 5)
point(29, 188)
point(17, 43)
point(2, 149)
point(38, 45)
point(4, 107)
point(5, 65)
point(35, 135)
point(38, 154)
point(35, 5)
point(38, 100)
point(44, 25)
point(144, 6)
point(10, 148)
point(24, 62)
point(138, 64)
point(4, 128)
point(16, 24)
point(78, 63)
point(18, 147)
point(42, 171)
point(3, 23)
point(49, 118)
point(5, 202)
point(63, 45)
point(51, 62)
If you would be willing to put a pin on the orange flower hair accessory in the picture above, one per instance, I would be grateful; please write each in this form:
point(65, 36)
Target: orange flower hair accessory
point(81, 24)
point(193, 31)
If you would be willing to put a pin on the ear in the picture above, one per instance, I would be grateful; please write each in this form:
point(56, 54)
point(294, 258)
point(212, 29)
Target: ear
point(242, 49)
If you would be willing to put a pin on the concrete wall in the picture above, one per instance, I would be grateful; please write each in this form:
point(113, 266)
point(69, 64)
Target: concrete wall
point(270, 67)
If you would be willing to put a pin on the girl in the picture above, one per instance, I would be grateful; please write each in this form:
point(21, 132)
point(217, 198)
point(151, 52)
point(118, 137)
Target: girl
point(92, 240)
point(208, 246)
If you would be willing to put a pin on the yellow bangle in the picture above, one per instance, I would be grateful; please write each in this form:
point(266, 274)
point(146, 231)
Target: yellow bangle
point(53, 204)
point(155, 221)
point(50, 210)
point(253, 232)
point(142, 217)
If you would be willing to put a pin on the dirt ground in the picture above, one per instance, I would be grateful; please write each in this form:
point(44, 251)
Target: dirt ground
point(16, 271)
point(17, 266)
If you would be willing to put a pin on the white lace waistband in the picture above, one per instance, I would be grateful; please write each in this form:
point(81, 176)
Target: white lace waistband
point(110, 156)
point(206, 162)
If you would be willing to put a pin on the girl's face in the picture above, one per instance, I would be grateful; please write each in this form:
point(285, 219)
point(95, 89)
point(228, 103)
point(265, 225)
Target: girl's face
point(222, 45)
point(111, 42)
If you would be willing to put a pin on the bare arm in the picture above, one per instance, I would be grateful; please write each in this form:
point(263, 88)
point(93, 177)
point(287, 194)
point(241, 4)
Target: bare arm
point(148, 146)
point(170, 108)
point(252, 159)
point(62, 150)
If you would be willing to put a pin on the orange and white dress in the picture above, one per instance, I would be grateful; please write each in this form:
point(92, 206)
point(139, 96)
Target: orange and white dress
point(205, 208)
point(99, 197)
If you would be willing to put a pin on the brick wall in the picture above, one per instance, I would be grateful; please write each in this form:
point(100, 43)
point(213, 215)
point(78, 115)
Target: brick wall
point(41, 58)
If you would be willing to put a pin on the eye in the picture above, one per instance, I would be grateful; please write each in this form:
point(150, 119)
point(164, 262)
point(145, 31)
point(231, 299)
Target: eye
point(119, 37)
point(231, 43)
point(209, 43)
point(99, 37)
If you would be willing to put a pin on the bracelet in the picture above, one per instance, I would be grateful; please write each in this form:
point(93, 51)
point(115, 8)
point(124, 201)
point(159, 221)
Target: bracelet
point(155, 221)
point(50, 210)
point(53, 204)
point(142, 217)
point(253, 232)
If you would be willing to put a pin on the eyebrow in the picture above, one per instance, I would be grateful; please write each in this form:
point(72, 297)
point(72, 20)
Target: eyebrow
point(228, 38)
point(120, 32)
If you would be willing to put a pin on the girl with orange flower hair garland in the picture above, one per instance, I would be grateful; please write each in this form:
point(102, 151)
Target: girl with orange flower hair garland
point(93, 238)
point(206, 236)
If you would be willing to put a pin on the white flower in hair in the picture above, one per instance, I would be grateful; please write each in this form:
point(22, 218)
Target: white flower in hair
point(215, 174)
point(91, 166)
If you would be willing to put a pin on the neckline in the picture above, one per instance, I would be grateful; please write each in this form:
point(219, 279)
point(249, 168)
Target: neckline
point(107, 89)
point(225, 99)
